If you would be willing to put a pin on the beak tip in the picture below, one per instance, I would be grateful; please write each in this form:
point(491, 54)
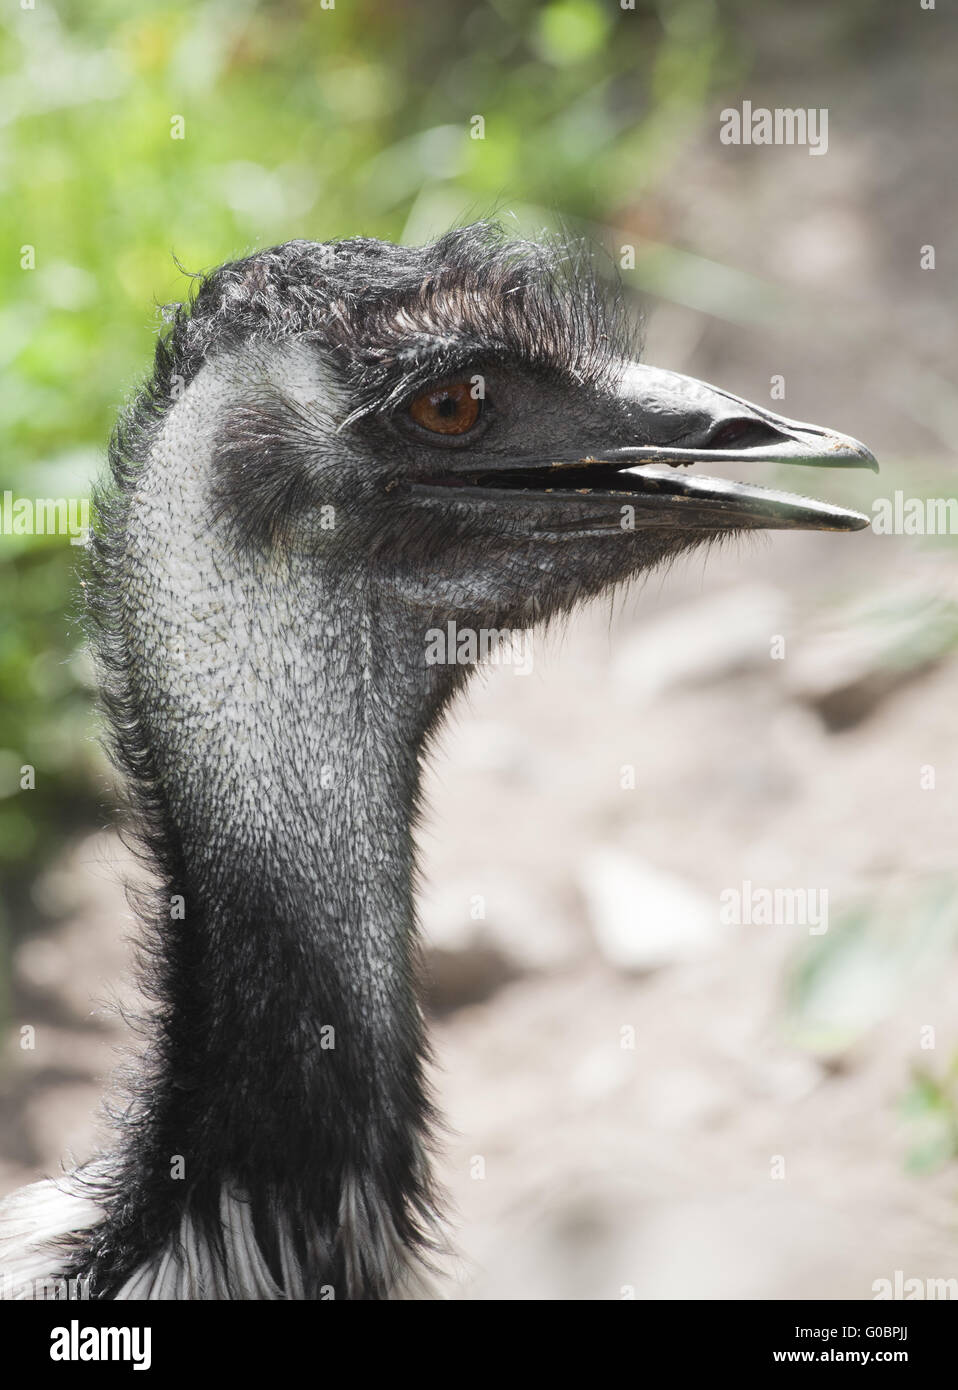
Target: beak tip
point(854, 453)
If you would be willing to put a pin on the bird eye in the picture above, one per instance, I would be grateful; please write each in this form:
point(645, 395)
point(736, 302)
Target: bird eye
point(447, 410)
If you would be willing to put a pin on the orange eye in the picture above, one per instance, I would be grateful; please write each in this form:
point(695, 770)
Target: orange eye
point(449, 410)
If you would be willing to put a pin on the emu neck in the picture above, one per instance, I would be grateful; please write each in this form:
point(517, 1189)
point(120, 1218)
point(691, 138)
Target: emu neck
point(282, 707)
point(293, 801)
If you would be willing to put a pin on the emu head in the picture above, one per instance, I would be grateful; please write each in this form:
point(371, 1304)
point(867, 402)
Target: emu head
point(465, 428)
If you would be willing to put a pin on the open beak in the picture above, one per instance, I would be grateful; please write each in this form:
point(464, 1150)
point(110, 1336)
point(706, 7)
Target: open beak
point(677, 421)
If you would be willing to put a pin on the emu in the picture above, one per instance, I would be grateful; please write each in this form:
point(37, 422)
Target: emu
point(342, 447)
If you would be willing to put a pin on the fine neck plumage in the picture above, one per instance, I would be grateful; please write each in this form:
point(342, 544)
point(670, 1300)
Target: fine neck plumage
point(272, 713)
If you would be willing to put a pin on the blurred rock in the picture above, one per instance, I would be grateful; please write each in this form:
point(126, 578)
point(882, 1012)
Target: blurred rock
point(41, 963)
point(643, 917)
point(601, 1072)
point(844, 676)
point(483, 929)
point(871, 647)
point(66, 1120)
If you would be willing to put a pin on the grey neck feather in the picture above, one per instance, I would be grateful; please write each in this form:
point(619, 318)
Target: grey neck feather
point(285, 710)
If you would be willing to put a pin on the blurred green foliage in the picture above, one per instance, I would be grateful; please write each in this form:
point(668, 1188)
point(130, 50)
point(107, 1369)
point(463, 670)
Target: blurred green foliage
point(930, 1107)
point(846, 982)
point(297, 119)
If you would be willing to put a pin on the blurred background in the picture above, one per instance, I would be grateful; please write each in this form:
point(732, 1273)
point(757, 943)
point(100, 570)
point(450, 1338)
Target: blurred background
point(641, 1096)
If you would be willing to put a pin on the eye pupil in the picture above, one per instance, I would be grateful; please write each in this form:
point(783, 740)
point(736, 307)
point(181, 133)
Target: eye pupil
point(448, 410)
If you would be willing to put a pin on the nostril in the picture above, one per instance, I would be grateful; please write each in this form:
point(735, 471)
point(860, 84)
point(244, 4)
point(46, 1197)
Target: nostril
point(740, 433)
